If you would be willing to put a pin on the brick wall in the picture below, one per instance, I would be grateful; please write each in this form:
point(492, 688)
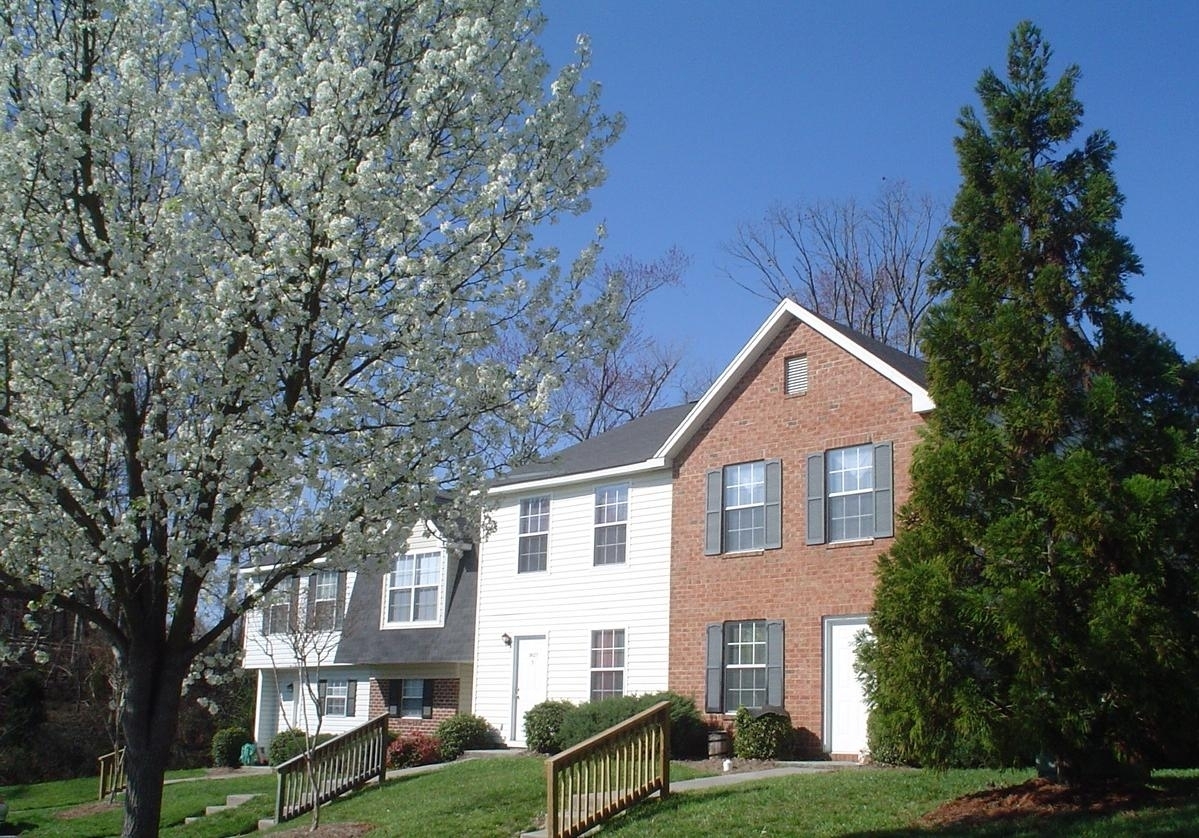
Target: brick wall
point(445, 704)
point(847, 403)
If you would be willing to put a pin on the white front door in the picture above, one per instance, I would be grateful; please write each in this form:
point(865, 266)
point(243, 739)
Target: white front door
point(845, 708)
point(528, 680)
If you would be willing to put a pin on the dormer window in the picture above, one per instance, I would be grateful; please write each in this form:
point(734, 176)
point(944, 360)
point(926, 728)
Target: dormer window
point(414, 590)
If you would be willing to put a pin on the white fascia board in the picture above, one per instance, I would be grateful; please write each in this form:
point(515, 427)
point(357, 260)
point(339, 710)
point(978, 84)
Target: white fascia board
point(768, 331)
point(725, 381)
point(581, 477)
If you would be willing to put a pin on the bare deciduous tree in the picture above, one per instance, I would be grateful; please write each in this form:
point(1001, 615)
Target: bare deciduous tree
point(864, 266)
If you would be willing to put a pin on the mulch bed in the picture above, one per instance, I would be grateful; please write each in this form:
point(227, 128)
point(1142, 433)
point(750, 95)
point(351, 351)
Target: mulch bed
point(1038, 798)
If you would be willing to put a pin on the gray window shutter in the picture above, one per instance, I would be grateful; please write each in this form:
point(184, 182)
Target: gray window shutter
point(426, 710)
point(774, 663)
point(884, 500)
point(816, 498)
point(351, 697)
point(774, 504)
point(340, 612)
point(293, 615)
point(714, 672)
point(713, 508)
point(310, 605)
point(322, 692)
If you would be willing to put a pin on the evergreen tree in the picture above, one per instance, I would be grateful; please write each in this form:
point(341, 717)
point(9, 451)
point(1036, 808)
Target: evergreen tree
point(1041, 598)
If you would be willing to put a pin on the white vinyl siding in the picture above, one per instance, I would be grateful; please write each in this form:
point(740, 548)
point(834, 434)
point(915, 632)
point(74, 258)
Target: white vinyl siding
point(574, 596)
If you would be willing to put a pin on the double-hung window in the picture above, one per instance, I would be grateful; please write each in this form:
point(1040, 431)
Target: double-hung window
point(850, 494)
point(326, 599)
point(534, 539)
point(744, 507)
point(278, 610)
point(611, 524)
point(607, 663)
point(744, 665)
point(410, 698)
point(337, 698)
point(414, 588)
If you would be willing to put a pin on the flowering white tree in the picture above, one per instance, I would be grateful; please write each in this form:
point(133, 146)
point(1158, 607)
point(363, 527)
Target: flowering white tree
point(253, 258)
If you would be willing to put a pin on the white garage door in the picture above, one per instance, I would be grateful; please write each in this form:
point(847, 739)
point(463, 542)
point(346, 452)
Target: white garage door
point(844, 700)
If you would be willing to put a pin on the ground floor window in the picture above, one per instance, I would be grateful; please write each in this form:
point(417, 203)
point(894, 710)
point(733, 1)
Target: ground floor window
point(337, 697)
point(607, 663)
point(411, 698)
point(744, 665)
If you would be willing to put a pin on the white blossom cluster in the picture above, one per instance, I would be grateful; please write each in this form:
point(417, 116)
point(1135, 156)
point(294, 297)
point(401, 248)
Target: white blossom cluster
point(255, 261)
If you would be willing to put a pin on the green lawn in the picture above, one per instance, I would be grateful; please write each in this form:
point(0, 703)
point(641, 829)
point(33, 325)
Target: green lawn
point(502, 797)
point(46, 809)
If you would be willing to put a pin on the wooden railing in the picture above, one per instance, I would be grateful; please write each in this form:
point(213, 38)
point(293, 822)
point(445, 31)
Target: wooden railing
point(339, 765)
point(608, 773)
point(112, 773)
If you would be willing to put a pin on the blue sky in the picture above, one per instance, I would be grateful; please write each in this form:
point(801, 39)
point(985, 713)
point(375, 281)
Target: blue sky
point(733, 107)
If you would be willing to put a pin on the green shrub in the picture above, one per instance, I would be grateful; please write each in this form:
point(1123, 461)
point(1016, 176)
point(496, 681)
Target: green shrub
point(226, 746)
point(688, 733)
point(412, 749)
point(769, 736)
point(291, 743)
point(543, 723)
point(586, 720)
point(466, 732)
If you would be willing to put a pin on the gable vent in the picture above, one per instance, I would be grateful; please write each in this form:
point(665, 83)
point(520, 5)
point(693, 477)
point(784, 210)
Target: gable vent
point(796, 376)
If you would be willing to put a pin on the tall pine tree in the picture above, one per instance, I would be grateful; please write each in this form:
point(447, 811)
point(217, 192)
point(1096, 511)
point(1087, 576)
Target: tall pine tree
point(1042, 595)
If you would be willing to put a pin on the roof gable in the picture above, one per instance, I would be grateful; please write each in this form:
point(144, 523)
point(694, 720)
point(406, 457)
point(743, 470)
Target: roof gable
point(901, 369)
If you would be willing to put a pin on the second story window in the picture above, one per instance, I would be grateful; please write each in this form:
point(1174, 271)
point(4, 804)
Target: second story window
point(277, 610)
point(532, 550)
point(324, 596)
point(611, 524)
point(414, 588)
point(744, 508)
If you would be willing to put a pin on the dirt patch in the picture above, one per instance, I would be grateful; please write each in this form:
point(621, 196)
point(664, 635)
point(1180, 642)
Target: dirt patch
point(330, 830)
point(715, 765)
point(85, 809)
point(1037, 798)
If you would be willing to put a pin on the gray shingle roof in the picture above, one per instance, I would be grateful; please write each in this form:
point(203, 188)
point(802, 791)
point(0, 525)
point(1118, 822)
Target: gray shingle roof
point(632, 442)
point(364, 642)
point(908, 365)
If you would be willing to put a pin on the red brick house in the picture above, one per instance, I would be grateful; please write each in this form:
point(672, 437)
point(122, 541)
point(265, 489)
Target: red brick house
point(787, 475)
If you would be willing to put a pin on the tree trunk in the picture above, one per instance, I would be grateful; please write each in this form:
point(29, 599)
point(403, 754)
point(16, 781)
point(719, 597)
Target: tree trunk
point(155, 682)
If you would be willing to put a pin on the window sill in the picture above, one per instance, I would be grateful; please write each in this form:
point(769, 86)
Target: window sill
point(853, 542)
point(403, 626)
point(737, 554)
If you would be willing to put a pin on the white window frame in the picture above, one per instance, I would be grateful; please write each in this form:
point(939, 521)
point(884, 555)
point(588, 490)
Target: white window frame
point(337, 696)
point(735, 640)
point(851, 470)
point(744, 492)
point(533, 516)
point(390, 587)
point(611, 537)
point(279, 600)
point(323, 582)
point(608, 652)
point(406, 685)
